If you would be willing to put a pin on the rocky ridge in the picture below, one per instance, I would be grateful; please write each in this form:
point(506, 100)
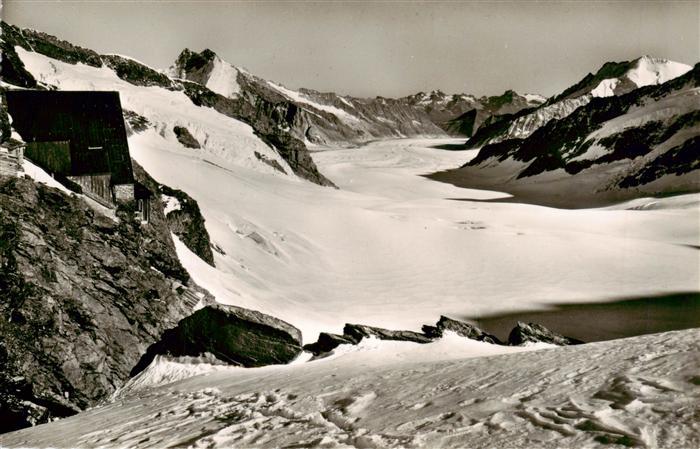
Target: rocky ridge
point(354, 333)
point(231, 334)
point(322, 118)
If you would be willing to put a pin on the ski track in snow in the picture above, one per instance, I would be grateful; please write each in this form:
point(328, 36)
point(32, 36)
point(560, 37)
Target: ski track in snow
point(640, 392)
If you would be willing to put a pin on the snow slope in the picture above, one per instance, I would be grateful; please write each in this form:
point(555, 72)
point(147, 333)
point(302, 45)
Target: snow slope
point(223, 79)
point(221, 137)
point(639, 392)
point(299, 97)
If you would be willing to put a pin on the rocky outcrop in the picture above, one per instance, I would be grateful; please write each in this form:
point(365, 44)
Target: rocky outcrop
point(136, 73)
point(357, 332)
point(354, 333)
point(185, 137)
point(186, 222)
point(271, 120)
point(327, 342)
point(135, 123)
point(524, 333)
point(460, 328)
point(81, 298)
point(231, 334)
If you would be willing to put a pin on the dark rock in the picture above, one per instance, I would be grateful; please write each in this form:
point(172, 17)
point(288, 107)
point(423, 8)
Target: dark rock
point(269, 116)
point(358, 331)
point(463, 329)
point(136, 73)
point(51, 46)
point(135, 123)
point(328, 342)
point(232, 334)
point(271, 162)
point(81, 298)
point(187, 223)
point(185, 137)
point(532, 333)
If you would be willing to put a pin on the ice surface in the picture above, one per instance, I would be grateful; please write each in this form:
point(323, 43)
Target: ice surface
point(389, 249)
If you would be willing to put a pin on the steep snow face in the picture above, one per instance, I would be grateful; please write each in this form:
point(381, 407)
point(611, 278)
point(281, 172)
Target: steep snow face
point(606, 88)
point(638, 392)
point(535, 99)
point(221, 137)
point(649, 71)
point(299, 97)
point(522, 127)
point(646, 72)
point(223, 78)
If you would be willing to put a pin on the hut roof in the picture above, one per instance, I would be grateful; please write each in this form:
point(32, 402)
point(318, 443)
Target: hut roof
point(91, 121)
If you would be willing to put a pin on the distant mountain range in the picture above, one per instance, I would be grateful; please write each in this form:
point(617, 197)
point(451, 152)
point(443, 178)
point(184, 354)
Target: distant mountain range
point(613, 78)
point(332, 118)
point(631, 129)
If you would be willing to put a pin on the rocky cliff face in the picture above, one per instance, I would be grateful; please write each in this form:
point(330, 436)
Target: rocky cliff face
point(83, 296)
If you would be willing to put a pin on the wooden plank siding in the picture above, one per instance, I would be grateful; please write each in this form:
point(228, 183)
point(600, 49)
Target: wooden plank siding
point(97, 187)
point(11, 161)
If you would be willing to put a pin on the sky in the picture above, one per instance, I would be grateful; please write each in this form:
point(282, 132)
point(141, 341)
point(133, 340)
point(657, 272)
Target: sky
point(390, 48)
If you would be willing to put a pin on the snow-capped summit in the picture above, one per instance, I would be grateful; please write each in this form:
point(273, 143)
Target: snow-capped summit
point(208, 69)
point(612, 79)
point(643, 71)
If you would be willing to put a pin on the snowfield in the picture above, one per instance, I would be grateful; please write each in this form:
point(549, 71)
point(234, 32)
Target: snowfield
point(388, 249)
point(639, 392)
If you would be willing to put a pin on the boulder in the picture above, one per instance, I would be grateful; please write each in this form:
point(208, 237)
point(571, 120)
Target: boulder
point(533, 333)
point(232, 334)
point(460, 328)
point(185, 137)
point(328, 342)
